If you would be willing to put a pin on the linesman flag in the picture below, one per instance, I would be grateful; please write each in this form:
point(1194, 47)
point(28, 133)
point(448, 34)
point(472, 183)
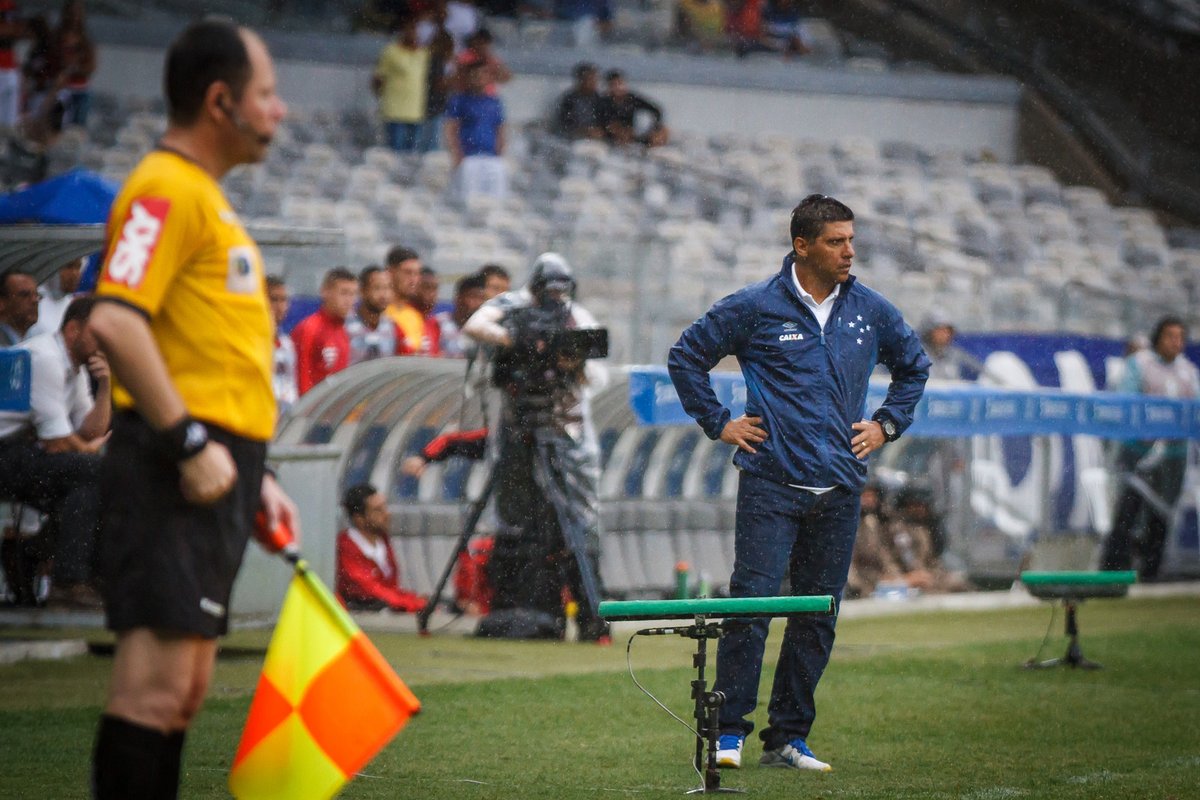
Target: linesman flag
point(325, 704)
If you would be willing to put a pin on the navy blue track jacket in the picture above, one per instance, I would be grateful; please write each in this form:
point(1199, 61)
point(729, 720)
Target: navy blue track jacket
point(809, 385)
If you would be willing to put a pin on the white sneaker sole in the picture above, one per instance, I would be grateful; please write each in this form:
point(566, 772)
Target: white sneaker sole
point(729, 759)
point(795, 760)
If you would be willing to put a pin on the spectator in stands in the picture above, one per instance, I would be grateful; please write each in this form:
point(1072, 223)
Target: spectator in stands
point(950, 362)
point(619, 111)
point(283, 376)
point(807, 341)
point(372, 333)
point(1151, 471)
point(475, 136)
point(912, 540)
point(19, 297)
point(322, 345)
point(38, 68)
point(744, 24)
point(496, 280)
point(579, 107)
point(479, 51)
point(400, 82)
point(462, 19)
point(12, 28)
point(48, 454)
point(590, 19)
point(433, 34)
point(783, 27)
point(368, 578)
point(469, 295)
point(700, 24)
point(418, 337)
point(74, 63)
point(871, 562)
point(57, 294)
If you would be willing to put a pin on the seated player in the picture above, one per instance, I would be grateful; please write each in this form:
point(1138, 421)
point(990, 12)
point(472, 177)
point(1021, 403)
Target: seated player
point(367, 576)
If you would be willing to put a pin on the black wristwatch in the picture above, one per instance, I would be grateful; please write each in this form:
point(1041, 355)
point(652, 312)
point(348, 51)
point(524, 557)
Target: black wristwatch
point(889, 428)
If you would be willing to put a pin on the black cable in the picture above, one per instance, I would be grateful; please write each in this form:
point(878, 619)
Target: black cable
point(645, 691)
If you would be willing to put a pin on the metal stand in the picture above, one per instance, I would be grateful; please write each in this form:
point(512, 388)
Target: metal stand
point(1074, 656)
point(707, 705)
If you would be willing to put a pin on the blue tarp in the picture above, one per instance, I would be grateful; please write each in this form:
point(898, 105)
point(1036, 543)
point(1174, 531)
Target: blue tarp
point(75, 197)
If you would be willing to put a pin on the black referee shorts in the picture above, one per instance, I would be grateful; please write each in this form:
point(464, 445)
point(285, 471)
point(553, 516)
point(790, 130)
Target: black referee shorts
point(164, 563)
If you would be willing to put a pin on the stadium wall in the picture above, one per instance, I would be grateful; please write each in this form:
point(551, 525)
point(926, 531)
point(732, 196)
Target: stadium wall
point(966, 113)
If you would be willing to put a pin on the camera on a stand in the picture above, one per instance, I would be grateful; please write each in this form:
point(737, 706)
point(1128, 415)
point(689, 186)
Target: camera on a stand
point(546, 356)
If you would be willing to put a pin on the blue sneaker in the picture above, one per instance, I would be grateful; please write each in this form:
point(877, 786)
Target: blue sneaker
point(793, 755)
point(729, 750)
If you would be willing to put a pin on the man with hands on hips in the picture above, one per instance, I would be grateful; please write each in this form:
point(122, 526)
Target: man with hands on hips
point(807, 341)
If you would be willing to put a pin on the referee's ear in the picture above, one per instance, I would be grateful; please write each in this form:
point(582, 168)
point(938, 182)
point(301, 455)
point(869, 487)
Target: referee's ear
point(800, 247)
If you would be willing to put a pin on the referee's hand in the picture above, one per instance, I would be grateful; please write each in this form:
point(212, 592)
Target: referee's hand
point(207, 476)
point(745, 432)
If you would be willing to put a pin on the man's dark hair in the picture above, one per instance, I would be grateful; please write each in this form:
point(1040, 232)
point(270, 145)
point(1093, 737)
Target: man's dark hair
point(480, 35)
point(583, 68)
point(337, 274)
point(426, 271)
point(466, 283)
point(810, 216)
point(275, 281)
point(1161, 326)
point(78, 311)
point(613, 74)
point(208, 51)
point(400, 253)
point(364, 277)
point(4, 276)
point(355, 498)
point(488, 270)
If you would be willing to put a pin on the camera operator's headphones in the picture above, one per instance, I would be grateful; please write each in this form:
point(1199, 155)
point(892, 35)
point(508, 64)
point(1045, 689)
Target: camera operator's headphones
point(551, 273)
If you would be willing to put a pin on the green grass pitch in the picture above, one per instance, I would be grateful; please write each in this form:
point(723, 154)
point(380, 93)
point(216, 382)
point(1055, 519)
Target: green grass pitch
point(916, 706)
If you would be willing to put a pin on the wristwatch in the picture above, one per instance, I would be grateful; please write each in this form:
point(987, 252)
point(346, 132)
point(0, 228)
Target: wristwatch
point(889, 428)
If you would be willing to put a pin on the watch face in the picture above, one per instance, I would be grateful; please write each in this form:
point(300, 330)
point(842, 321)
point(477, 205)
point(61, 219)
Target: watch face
point(889, 428)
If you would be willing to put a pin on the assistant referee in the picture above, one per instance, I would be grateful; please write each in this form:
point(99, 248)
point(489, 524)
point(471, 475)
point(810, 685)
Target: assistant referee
point(188, 333)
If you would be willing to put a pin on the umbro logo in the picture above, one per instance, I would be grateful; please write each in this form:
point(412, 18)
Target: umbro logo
point(789, 326)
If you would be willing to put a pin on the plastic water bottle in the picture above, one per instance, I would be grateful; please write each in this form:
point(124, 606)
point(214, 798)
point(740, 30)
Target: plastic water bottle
point(681, 580)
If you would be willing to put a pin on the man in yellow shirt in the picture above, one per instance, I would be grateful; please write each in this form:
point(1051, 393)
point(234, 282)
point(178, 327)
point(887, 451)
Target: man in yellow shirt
point(400, 82)
point(184, 320)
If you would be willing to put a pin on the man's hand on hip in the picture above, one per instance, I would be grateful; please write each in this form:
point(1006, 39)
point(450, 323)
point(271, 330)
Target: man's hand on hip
point(869, 439)
point(207, 476)
point(745, 432)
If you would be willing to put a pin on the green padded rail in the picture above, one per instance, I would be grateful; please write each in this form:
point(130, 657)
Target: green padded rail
point(716, 607)
point(1112, 577)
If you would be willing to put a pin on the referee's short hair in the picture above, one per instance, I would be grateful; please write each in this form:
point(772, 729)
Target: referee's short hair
point(810, 216)
point(355, 498)
point(207, 51)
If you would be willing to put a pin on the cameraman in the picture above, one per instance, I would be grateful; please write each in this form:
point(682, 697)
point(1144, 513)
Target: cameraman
point(547, 467)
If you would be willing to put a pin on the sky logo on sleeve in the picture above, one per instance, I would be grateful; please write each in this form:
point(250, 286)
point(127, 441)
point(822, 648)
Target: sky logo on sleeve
point(140, 234)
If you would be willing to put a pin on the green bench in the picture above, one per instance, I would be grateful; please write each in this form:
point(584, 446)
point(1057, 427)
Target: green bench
point(1072, 588)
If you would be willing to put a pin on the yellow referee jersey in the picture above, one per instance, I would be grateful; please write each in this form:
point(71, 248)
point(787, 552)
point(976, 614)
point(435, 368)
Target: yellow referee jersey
point(176, 251)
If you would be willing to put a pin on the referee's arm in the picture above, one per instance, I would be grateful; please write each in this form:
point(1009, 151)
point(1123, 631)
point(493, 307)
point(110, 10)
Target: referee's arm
point(125, 337)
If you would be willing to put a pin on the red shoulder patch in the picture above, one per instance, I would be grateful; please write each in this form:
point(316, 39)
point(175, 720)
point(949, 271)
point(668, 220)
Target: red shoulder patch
point(138, 239)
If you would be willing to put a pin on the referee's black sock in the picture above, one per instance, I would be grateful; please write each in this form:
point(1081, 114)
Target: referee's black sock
point(168, 765)
point(127, 759)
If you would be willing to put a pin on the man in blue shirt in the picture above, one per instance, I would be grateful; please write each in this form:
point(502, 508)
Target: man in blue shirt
point(807, 341)
point(474, 119)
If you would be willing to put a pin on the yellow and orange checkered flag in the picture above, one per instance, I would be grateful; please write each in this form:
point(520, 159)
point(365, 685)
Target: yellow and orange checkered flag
point(325, 704)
